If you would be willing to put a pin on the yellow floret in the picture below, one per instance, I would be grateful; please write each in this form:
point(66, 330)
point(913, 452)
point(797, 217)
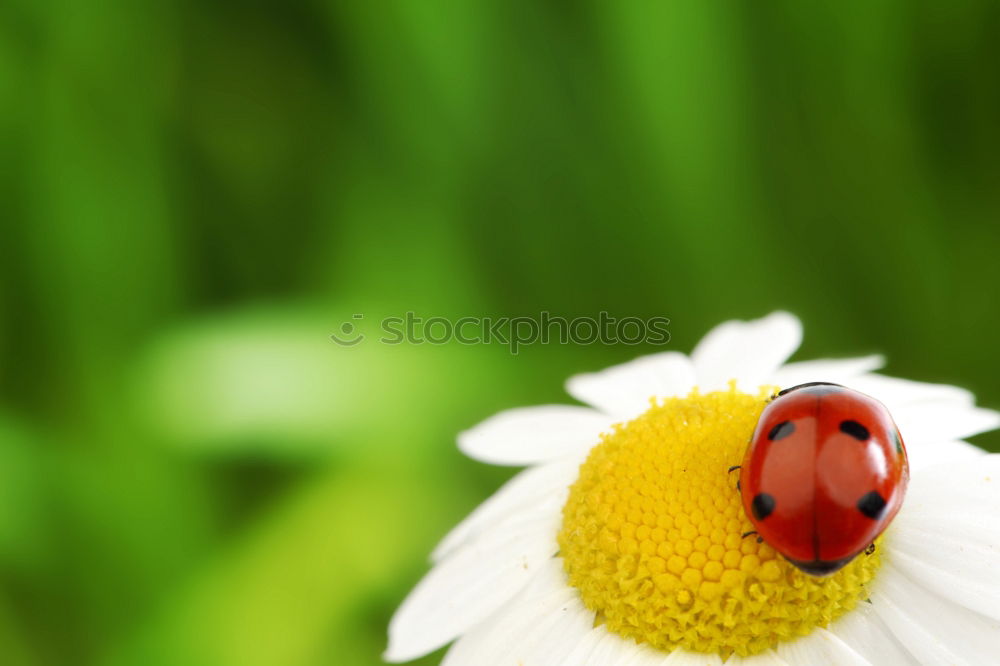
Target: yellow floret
point(652, 537)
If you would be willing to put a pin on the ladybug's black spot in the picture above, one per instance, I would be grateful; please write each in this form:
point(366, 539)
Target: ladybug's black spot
point(855, 430)
point(871, 504)
point(762, 505)
point(782, 430)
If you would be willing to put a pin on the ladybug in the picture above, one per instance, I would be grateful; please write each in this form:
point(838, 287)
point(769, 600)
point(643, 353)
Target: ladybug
point(823, 475)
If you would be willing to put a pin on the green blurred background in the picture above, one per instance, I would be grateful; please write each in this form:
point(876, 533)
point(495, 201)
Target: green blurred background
point(195, 195)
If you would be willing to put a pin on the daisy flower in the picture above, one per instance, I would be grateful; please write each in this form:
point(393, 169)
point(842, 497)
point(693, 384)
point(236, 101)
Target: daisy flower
point(622, 542)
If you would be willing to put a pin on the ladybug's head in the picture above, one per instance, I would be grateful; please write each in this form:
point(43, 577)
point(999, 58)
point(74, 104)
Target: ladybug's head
point(806, 386)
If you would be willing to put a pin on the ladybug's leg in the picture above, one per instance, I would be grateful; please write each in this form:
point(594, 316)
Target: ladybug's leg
point(731, 469)
point(870, 549)
point(759, 537)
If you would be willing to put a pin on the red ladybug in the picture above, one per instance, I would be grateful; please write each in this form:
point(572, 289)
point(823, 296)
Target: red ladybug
point(824, 475)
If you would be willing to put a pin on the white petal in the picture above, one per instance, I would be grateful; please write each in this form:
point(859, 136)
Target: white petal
point(631, 654)
point(837, 371)
point(933, 630)
point(623, 391)
point(820, 647)
point(895, 391)
point(603, 648)
point(928, 512)
point(469, 585)
point(643, 655)
point(947, 535)
point(562, 636)
point(942, 421)
point(599, 648)
point(977, 595)
point(923, 455)
point(535, 492)
point(867, 635)
point(749, 352)
point(931, 417)
point(528, 435)
point(685, 658)
point(769, 658)
point(537, 627)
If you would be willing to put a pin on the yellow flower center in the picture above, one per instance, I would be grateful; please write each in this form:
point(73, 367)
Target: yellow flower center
point(653, 530)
